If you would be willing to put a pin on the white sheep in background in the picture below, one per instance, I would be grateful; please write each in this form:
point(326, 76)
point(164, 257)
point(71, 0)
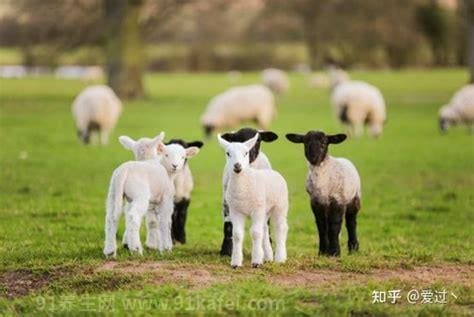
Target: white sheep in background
point(257, 160)
point(333, 185)
point(174, 159)
point(96, 109)
point(276, 79)
point(258, 194)
point(237, 105)
point(460, 109)
point(357, 103)
point(143, 184)
point(319, 80)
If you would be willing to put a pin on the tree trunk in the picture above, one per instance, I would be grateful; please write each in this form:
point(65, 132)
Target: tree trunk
point(311, 38)
point(124, 51)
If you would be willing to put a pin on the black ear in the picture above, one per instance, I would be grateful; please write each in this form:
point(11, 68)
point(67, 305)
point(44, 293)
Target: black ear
point(229, 137)
point(295, 138)
point(268, 136)
point(198, 144)
point(336, 138)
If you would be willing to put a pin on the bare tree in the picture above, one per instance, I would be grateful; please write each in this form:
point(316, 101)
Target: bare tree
point(467, 8)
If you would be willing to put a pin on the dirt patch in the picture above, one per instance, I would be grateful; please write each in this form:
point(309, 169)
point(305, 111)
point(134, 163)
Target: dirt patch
point(166, 272)
point(423, 275)
point(22, 282)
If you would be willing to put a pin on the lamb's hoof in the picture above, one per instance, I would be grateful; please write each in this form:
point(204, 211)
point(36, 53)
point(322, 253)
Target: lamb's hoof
point(112, 255)
point(256, 265)
point(110, 252)
point(125, 246)
point(235, 266)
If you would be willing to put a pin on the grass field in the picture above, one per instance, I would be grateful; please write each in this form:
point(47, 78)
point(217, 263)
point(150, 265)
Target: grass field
point(415, 226)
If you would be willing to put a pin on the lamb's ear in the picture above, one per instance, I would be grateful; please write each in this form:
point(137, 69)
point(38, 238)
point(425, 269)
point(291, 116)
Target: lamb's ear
point(160, 137)
point(336, 138)
point(127, 142)
point(160, 148)
point(268, 136)
point(223, 143)
point(295, 138)
point(228, 136)
point(251, 143)
point(198, 144)
point(191, 151)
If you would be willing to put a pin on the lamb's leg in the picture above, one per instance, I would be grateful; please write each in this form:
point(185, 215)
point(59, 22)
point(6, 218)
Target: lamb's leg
point(111, 226)
point(165, 212)
point(238, 227)
point(152, 235)
point(226, 248)
point(138, 208)
point(281, 231)
point(351, 224)
point(257, 234)
point(267, 243)
point(320, 214)
point(124, 237)
point(179, 220)
point(104, 137)
point(335, 214)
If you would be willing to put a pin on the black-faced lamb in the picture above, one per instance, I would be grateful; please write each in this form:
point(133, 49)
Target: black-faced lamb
point(333, 185)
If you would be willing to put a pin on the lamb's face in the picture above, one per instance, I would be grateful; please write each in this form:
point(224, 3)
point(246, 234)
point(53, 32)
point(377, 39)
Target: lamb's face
point(237, 154)
point(447, 118)
point(316, 144)
point(175, 157)
point(246, 134)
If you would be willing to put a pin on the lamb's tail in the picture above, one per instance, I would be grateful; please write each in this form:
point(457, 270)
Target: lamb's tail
point(116, 193)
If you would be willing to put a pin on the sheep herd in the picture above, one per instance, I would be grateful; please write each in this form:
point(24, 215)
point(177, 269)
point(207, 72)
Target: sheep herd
point(157, 185)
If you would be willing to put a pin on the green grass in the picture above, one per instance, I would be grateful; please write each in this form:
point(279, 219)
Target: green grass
point(417, 203)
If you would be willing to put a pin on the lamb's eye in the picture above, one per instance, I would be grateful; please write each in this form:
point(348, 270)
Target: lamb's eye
point(246, 153)
point(228, 154)
point(166, 155)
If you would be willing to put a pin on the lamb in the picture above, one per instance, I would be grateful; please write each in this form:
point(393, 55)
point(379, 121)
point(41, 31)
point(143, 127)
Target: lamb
point(357, 103)
point(174, 160)
point(276, 79)
point(333, 185)
point(259, 194)
point(96, 109)
point(237, 105)
point(257, 160)
point(459, 110)
point(147, 187)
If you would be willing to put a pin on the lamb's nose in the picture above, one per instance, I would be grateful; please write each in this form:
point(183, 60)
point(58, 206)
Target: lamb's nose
point(237, 167)
point(174, 166)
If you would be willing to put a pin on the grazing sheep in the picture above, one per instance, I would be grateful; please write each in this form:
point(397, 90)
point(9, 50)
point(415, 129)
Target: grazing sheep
point(275, 79)
point(174, 160)
point(460, 110)
point(257, 159)
point(333, 185)
point(357, 103)
point(149, 191)
point(258, 194)
point(237, 105)
point(96, 109)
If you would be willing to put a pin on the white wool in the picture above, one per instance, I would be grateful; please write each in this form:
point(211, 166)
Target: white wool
point(240, 104)
point(275, 79)
point(335, 178)
point(461, 107)
point(261, 162)
point(97, 105)
point(337, 76)
point(141, 183)
point(258, 194)
point(365, 105)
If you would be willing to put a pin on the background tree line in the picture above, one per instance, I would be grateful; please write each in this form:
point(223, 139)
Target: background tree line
point(129, 36)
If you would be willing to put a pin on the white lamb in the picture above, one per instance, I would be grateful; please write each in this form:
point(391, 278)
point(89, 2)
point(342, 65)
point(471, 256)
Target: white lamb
point(142, 184)
point(237, 105)
point(96, 109)
point(357, 103)
point(175, 161)
point(258, 194)
point(257, 159)
point(276, 79)
point(460, 109)
point(333, 185)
